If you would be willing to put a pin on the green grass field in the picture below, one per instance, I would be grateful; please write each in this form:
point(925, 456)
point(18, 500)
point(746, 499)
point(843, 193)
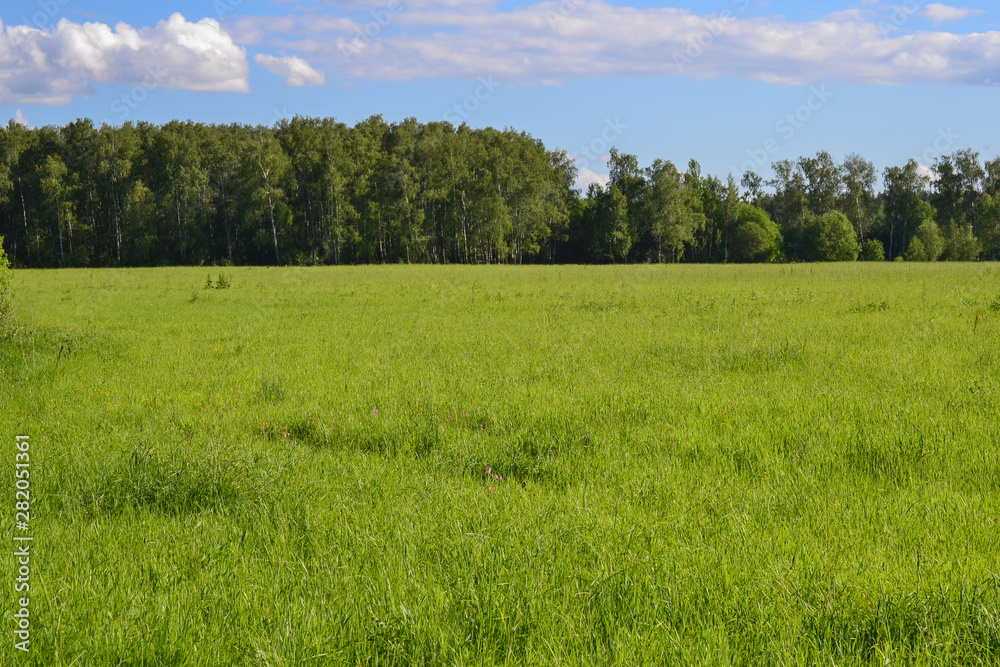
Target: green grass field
point(649, 465)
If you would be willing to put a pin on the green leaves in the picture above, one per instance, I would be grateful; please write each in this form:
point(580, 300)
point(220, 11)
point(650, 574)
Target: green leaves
point(6, 289)
point(315, 191)
point(831, 238)
point(757, 237)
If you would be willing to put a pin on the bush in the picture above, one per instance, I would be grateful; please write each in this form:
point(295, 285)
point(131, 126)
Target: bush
point(757, 237)
point(930, 240)
point(873, 251)
point(961, 245)
point(224, 281)
point(831, 238)
point(916, 252)
point(6, 289)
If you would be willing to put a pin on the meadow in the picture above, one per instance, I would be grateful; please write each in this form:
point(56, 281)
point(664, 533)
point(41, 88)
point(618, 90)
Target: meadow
point(402, 465)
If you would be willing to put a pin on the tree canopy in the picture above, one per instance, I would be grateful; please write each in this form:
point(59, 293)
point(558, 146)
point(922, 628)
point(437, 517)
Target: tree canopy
point(315, 191)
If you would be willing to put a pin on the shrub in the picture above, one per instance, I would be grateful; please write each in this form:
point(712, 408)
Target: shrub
point(960, 244)
point(831, 238)
point(873, 251)
point(223, 282)
point(6, 289)
point(916, 252)
point(757, 237)
point(931, 241)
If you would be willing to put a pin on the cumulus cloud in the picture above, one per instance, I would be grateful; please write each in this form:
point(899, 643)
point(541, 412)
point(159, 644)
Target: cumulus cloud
point(927, 172)
point(585, 177)
point(538, 43)
point(938, 13)
point(52, 66)
point(556, 40)
point(297, 72)
point(21, 119)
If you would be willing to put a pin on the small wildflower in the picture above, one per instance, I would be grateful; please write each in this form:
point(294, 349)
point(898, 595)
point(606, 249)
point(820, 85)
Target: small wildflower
point(374, 412)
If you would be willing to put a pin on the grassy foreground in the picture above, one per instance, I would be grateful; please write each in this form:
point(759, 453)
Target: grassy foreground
point(494, 466)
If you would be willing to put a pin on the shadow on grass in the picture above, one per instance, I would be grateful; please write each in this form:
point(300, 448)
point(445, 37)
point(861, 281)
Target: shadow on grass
point(539, 451)
point(897, 461)
point(960, 627)
point(174, 484)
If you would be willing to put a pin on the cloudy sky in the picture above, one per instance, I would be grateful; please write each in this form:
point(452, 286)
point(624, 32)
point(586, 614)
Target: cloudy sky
point(735, 84)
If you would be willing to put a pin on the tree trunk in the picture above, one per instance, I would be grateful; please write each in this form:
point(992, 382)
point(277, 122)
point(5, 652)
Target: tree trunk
point(24, 212)
point(180, 228)
point(118, 227)
point(62, 256)
point(274, 227)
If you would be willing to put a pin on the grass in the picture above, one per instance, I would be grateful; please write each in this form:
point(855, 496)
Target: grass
point(697, 465)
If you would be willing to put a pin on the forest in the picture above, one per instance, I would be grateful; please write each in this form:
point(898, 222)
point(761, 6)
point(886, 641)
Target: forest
point(316, 191)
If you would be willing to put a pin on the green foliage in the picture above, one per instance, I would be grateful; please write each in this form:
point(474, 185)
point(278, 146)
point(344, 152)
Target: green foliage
point(140, 242)
point(607, 225)
point(917, 252)
point(675, 208)
point(313, 191)
point(873, 251)
point(757, 237)
point(957, 243)
point(988, 225)
point(6, 294)
point(831, 238)
point(789, 206)
point(960, 244)
point(931, 245)
point(222, 282)
point(858, 200)
point(904, 208)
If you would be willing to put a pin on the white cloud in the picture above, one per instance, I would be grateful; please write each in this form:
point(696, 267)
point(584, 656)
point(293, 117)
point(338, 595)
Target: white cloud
point(21, 119)
point(297, 72)
point(53, 66)
point(585, 177)
point(927, 172)
point(541, 43)
point(554, 41)
point(938, 13)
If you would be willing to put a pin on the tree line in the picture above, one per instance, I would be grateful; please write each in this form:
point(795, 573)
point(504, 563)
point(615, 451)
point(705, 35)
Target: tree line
point(316, 191)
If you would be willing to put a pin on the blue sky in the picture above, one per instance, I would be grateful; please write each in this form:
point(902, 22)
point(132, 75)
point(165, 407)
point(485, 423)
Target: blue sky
point(735, 84)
